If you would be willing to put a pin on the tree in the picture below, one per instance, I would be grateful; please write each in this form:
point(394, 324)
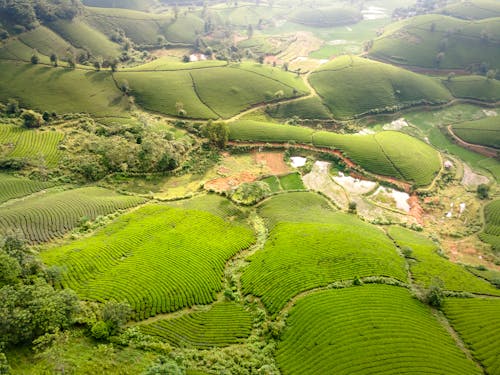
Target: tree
point(483, 191)
point(115, 315)
point(352, 207)
point(70, 58)
point(53, 59)
point(34, 57)
point(491, 74)
point(439, 58)
point(12, 106)
point(251, 192)
point(218, 133)
point(114, 65)
point(250, 31)
point(451, 75)
point(32, 119)
point(10, 270)
point(97, 65)
point(434, 296)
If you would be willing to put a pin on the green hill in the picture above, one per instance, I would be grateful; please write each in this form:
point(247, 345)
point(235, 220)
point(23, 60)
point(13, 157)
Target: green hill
point(373, 329)
point(60, 89)
point(473, 9)
point(484, 132)
point(325, 17)
point(417, 41)
point(351, 86)
point(474, 87)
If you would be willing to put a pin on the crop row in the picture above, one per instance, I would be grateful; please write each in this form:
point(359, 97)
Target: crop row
point(477, 321)
point(491, 232)
point(157, 258)
point(44, 217)
point(483, 132)
point(374, 329)
point(224, 324)
point(31, 144)
point(14, 187)
point(428, 265)
point(301, 256)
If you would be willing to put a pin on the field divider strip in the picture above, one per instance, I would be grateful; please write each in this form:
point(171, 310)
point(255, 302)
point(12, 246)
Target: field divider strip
point(195, 89)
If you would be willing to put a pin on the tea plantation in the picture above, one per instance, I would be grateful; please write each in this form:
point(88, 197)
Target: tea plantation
point(484, 132)
point(15, 187)
point(491, 232)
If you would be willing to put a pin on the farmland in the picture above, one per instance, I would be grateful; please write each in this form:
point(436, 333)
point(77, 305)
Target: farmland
point(12, 187)
point(223, 324)
point(50, 215)
point(482, 132)
point(302, 256)
point(327, 330)
point(475, 320)
point(166, 249)
point(474, 87)
point(34, 145)
point(491, 232)
point(341, 85)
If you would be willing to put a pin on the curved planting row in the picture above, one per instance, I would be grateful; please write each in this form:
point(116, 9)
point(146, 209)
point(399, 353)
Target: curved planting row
point(31, 144)
point(224, 324)
point(477, 320)
point(376, 329)
point(302, 256)
point(491, 232)
point(157, 258)
point(14, 187)
point(428, 265)
point(44, 217)
point(482, 132)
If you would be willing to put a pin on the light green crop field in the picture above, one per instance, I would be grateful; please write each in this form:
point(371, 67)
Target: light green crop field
point(302, 256)
point(375, 329)
point(81, 35)
point(477, 320)
point(44, 217)
point(59, 89)
point(158, 259)
point(292, 181)
point(12, 187)
point(473, 9)
point(484, 132)
point(387, 153)
point(46, 42)
point(273, 182)
point(185, 29)
point(309, 108)
point(416, 42)
point(325, 17)
point(210, 92)
point(352, 86)
point(491, 232)
point(34, 145)
point(428, 265)
point(224, 324)
point(474, 87)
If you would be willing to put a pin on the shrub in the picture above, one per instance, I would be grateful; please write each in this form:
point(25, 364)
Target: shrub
point(31, 119)
point(100, 330)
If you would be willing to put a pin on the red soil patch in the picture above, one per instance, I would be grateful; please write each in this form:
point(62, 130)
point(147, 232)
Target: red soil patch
point(273, 160)
point(416, 209)
point(229, 183)
point(464, 252)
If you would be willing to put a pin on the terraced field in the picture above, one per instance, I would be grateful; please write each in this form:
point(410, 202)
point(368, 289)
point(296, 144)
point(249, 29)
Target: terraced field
point(325, 17)
point(352, 86)
point(373, 329)
point(44, 217)
point(491, 232)
point(418, 40)
point(477, 320)
point(302, 256)
point(157, 258)
point(387, 153)
point(210, 91)
point(60, 90)
point(222, 325)
point(474, 87)
point(17, 142)
point(12, 187)
point(484, 132)
point(428, 265)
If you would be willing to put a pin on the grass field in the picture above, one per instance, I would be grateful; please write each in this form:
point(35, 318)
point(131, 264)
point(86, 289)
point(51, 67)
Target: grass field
point(12, 187)
point(474, 87)
point(351, 86)
point(46, 216)
point(484, 132)
point(210, 92)
point(292, 181)
point(83, 36)
point(491, 232)
point(157, 258)
point(416, 42)
point(374, 329)
point(477, 320)
point(59, 89)
point(185, 29)
point(301, 256)
point(46, 42)
point(222, 325)
point(325, 17)
point(473, 9)
point(428, 265)
point(37, 146)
